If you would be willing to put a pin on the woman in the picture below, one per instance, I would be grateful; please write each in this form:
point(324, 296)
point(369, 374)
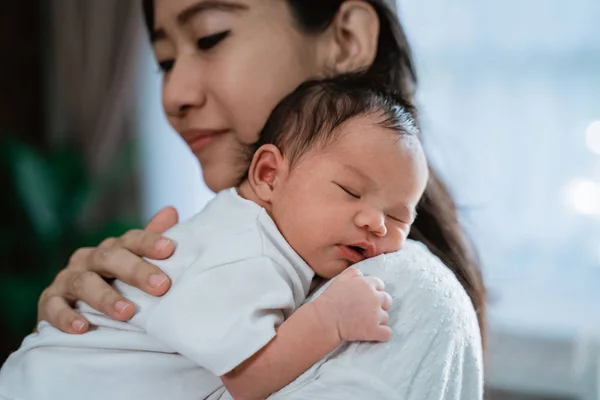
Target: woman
point(226, 64)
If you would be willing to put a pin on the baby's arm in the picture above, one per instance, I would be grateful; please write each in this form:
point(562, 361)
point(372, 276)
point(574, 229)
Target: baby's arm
point(352, 308)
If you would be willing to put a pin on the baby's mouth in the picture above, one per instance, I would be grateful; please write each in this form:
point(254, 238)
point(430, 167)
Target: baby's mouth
point(360, 250)
point(354, 254)
point(364, 247)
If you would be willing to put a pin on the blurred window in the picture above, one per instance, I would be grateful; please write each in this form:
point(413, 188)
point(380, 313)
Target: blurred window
point(510, 96)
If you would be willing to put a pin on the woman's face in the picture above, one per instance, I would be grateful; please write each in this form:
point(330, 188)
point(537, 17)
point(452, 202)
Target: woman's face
point(226, 66)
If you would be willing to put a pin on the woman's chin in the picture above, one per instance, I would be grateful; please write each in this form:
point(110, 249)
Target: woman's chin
point(219, 177)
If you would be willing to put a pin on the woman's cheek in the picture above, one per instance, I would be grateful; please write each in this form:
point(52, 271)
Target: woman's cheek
point(240, 103)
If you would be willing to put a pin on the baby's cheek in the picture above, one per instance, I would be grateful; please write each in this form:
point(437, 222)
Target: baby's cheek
point(394, 240)
point(401, 243)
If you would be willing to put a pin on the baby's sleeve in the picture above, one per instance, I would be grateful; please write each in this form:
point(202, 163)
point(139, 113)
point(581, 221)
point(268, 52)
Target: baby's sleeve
point(222, 316)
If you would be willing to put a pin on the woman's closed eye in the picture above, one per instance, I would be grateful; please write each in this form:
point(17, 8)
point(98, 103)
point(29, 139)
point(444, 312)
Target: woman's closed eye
point(166, 66)
point(204, 44)
point(208, 42)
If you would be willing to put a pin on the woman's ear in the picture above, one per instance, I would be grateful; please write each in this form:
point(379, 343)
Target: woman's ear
point(267, 169)
point(355, 37)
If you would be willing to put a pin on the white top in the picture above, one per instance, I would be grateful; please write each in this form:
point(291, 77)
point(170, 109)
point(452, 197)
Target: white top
point(235, 279)
point(435, 352)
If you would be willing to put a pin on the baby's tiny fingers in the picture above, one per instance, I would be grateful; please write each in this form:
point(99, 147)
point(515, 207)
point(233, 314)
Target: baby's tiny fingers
point(384, 317)
point(376, 283)
point(351, 272)
point(382, 334)
point(386, 300)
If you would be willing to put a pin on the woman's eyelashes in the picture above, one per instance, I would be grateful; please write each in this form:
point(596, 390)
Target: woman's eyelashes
point(204, 44)
point(208, 42)
point(165, 66)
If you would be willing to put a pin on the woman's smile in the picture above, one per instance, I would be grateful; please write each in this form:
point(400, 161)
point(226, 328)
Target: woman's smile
point(200, 139)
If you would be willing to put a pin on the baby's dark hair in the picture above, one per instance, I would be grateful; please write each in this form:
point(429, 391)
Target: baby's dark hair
point(309, 116)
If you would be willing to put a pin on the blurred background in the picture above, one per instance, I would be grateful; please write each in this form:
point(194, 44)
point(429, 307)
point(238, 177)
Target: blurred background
point(510, 97)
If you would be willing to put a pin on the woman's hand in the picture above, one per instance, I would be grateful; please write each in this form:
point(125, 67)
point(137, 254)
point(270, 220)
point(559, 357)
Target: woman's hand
point(358, 305)
point(85, 276)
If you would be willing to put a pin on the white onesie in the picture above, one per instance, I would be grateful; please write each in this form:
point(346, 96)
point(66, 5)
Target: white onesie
point(235, 279)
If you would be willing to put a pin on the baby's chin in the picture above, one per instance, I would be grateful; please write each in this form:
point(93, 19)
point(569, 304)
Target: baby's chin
point(331, 268)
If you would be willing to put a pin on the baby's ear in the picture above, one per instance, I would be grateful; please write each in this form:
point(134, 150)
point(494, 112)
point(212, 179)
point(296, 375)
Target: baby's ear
point(267, 168)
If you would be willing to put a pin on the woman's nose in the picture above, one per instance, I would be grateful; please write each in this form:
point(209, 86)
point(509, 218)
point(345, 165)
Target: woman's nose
point(373, 221)
point(183, 89)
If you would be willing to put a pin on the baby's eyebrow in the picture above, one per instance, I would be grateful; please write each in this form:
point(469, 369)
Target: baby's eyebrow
point(360, 173)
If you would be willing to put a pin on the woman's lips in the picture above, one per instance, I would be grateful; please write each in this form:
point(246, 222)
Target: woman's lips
point(350, 254)
point(197, 140)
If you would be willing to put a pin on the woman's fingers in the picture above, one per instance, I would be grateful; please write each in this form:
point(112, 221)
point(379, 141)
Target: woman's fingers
point(58, 312)
point(120, 263)
point(118, 258)
point(106, 243)
point(90, 288)
point(163, 220)
point(146, 244)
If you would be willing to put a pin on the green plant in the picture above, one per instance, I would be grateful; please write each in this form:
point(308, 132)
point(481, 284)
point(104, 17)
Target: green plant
point(46, 200)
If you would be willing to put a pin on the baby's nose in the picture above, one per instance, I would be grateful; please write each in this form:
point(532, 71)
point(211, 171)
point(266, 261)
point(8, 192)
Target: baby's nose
point(373, 221)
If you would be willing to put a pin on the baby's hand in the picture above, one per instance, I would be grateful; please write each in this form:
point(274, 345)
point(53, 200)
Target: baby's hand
point(358, 306)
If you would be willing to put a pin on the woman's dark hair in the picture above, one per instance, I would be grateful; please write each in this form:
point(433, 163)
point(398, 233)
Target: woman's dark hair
point(437, 224)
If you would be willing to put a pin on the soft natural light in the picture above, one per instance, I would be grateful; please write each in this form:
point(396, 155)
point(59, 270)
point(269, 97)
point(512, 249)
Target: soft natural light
point(584, 196)
point(592, 137)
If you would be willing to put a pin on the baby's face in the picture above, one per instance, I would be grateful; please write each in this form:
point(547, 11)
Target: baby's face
point(353, 200)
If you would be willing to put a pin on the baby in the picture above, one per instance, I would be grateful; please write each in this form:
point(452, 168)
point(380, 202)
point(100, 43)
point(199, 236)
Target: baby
point(335, 179)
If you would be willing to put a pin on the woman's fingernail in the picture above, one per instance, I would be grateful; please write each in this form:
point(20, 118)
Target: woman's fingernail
point(78, 325)
point(121, 306)
point(157, 280)
point(162, 243)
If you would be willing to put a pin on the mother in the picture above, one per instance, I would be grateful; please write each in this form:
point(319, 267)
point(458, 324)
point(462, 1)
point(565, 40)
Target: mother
point(226, 64)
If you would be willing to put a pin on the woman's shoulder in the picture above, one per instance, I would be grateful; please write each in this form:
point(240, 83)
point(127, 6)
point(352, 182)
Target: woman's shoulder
point(425, 287)
point(435, 350)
